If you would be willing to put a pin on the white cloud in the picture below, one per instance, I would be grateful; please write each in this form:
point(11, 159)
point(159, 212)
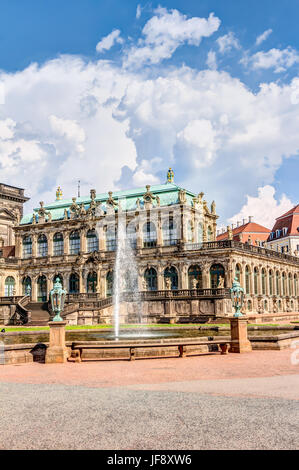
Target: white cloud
point(138, 11)
point(108, 41)
point(228, 42)
point(165, 32)
point(113, 127)
point(262, 37)
point(278, 59)
point(211, 60)
point(264, 207)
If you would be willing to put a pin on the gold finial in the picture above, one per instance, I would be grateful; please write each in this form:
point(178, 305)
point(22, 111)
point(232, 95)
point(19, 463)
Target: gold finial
point(170, 176)
point(58, 194)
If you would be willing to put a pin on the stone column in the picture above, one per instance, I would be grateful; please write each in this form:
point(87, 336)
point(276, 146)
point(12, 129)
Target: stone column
point(34, 288)
point(50, 244)
point(206, 284)
point(34, 245)
point(101, 235)
point(160, 276)
point(19, 246)
point(158, 224)
point(240, 342)
point(82, 286)
point(57, 352)
point(66, 242)
point(83, 241)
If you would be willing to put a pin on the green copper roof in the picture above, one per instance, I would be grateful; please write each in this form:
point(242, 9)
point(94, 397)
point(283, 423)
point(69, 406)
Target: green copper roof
point(168, 194)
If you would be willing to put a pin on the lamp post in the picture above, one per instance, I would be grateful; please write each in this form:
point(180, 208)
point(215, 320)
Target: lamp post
point(238, 323)
point(237, 296)
point(57, 296)
point(57, 351)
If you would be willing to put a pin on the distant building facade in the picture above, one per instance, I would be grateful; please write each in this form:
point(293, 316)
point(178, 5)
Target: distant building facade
point(173, 234)
point(284, 236)
point(247, 232)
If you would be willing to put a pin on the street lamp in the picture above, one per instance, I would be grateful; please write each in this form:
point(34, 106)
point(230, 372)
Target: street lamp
point(237, 296)
point(57, 296)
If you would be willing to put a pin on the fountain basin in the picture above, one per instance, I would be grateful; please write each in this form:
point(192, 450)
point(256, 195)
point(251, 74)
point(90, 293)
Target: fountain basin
point(31, 346)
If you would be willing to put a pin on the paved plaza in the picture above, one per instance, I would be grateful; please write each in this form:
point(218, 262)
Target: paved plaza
point(246, 401)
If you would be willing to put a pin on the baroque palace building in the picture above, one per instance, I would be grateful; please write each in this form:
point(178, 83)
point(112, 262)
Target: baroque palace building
point(173, 234)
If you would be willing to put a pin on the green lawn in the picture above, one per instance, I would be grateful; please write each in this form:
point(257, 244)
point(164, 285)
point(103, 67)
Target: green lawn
point(101, 327)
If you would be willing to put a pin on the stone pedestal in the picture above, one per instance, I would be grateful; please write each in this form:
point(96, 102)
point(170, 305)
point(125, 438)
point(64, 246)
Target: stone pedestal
point(240, 341)
point(57, 352)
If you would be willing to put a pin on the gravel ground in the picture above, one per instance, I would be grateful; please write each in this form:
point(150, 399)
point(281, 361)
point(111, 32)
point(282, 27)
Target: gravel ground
point(53, 416)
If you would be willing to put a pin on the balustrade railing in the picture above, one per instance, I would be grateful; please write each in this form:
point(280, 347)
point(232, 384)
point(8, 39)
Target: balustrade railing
point(240, 246)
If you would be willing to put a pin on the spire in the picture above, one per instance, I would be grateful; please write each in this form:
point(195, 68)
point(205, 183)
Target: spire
point(170, 176)
point(58, 194)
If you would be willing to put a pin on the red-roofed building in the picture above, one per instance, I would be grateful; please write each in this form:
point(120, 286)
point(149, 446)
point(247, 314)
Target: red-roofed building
point(249, 232)
point(284, 236)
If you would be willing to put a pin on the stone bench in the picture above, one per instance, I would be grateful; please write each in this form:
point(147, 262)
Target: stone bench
point(78, 348)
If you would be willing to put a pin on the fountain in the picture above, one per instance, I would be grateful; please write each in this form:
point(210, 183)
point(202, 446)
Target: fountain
point(125, 275)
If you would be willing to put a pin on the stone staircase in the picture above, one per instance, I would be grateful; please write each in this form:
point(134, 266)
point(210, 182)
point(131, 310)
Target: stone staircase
point(39, 313)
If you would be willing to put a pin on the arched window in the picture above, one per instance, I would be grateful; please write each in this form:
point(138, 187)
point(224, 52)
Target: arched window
point(58, 245)
point(9, 288)
point(270, 282)
point(109, 284)
point(277, 283)
point(295, 285)
point(210, 234)
point(74, 284)
point(42, 289)
point(190, 232)
point(217, 275)
point(74, 243)
point(111, 238)
point(280, 306)
point(263, 281)
point(150, 277)
point(266, 305)
point(255, 281)
point(238, 272)
point(149, 235)
point(247, 280)
point(26, 286)
point(200, 232)
point(60, 277)
point(284, 284)
point(290, 284)
point(92, 280)
point(172, 274)
point(27, 247)
point(132, 235)
point(169, 232)
point(194, 274)
point(92, 241)
point(42, 245)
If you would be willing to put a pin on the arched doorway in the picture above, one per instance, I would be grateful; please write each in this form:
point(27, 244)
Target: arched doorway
point(172, 274)
point(42, 289)
point(26, 286)
point(74, 284)
point(217, 275)
point(92, 281)
point(150, 277)
point(10, 283)
point(194, 274)
point(109, 284)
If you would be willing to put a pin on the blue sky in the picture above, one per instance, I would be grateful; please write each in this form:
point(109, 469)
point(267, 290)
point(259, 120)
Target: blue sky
point(216, 97)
